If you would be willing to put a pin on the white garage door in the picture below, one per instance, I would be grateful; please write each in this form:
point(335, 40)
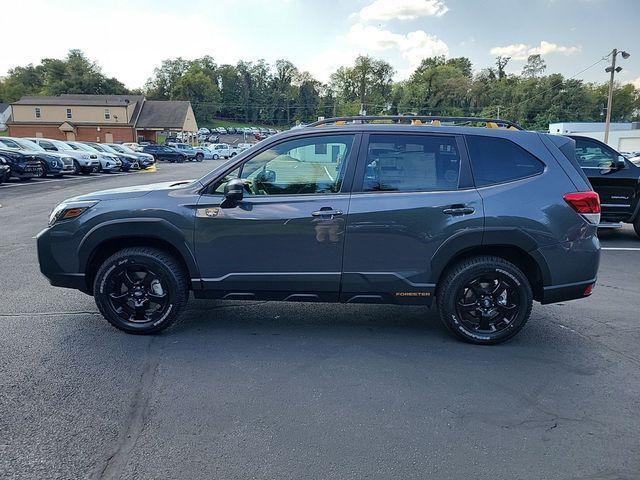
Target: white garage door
point(631, 144)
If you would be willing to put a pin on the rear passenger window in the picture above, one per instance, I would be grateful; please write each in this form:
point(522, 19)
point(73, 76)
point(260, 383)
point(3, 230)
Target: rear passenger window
point(411, 163)
point(497, 160)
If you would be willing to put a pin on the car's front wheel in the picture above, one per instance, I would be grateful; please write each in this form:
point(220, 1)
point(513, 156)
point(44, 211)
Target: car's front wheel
point(199, 157)
point(141, 290)
point(215, 156)
point(485, 300)
point(636, 225)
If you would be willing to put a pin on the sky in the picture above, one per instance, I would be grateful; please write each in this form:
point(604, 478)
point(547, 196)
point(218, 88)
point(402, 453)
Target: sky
point(129, 38)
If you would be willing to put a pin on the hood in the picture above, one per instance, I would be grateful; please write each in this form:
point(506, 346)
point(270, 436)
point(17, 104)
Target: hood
point(131, 192)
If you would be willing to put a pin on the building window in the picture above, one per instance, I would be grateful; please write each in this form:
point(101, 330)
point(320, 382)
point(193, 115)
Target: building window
point(107, 114)
point(38, 112)
point(69, 113)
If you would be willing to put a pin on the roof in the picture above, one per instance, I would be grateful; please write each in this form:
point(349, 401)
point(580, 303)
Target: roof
point(76, 99)
point(163, 114)
point(3, 107)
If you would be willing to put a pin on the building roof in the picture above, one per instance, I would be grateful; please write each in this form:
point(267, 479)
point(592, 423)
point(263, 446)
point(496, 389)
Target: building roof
point(3, 107)
point(86, 100)
point(163, 114)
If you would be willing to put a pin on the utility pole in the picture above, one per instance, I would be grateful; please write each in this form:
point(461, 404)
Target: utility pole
point(499, 107)
point(612, 69)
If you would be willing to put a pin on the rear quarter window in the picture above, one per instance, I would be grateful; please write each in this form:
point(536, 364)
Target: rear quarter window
point(498, 160)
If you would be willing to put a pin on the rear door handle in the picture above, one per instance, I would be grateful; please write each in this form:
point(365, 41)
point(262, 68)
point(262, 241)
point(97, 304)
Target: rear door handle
point(326, 212)
point(459, 210)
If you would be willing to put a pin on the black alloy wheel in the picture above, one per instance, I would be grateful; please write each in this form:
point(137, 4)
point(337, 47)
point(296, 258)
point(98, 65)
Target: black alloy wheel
point(136, 293)
point(43, 171)
point(484, 300)
point(141, 290)
point(488, 303)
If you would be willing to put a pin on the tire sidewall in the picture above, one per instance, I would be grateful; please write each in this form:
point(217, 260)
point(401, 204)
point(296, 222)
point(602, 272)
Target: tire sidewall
point(448, 303)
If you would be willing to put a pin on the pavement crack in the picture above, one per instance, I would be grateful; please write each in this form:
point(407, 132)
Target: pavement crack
point(135, 421)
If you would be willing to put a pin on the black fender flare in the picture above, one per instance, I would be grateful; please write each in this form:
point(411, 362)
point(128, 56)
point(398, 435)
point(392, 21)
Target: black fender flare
point(155, 228)
point(467, 240)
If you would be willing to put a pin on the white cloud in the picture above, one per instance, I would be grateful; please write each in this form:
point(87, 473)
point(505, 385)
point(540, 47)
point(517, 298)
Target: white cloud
point(413, 46)
point(636, 83)
point(403, 9)
point(520, 51)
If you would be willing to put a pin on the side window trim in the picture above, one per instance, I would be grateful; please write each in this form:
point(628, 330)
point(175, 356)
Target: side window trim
point(358, 181)
point(347, 182)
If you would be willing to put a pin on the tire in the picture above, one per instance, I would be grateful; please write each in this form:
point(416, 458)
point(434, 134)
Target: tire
point(215, 156)
point(465, 289)
point(199, 157)
point(110, 281)
point(233, 154)
point(43, 174)
point(636, 225)
point(181, 159)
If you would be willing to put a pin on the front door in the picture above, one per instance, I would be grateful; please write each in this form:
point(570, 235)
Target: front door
point(616, 186)
point(285, 238)
point(412, 193)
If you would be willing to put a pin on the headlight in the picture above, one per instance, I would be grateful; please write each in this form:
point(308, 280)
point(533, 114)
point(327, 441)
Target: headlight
point(3, 160)
point(69, 210)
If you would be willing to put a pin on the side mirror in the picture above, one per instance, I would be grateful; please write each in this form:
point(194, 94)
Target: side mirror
point(234, 190)
point(619, 164)
point(266, 176)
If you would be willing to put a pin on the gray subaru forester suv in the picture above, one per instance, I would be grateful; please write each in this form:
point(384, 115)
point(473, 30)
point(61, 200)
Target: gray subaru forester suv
point(357, 210)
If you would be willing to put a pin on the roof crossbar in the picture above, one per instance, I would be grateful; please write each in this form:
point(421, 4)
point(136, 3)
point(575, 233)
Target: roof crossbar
point(413, 118)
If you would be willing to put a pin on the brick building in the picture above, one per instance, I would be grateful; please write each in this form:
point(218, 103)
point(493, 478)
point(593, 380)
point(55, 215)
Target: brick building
point(99, 118)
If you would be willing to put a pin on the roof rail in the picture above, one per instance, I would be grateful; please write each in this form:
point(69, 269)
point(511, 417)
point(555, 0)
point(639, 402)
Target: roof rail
point(417, 119)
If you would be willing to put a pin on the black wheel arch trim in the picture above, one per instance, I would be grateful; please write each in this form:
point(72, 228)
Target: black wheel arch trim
point(468, 240)
point(152, 228)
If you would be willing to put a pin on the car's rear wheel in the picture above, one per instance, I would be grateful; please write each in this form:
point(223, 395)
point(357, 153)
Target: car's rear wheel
point(199, 157)
point(141, 290)
point(485, 300)
point(216, 156)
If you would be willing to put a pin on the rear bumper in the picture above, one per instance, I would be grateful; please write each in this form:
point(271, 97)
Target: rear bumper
point(566, 292)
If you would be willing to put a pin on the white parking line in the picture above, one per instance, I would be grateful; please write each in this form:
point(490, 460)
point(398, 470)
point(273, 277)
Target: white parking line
point(66, 179)
point(622, 249)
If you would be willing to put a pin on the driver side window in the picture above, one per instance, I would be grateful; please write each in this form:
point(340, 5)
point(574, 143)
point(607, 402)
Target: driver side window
point(593, 155)
point(312, 165)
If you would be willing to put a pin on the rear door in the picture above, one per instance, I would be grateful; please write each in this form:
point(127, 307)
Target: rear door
point(412, 193)
point(618, 188)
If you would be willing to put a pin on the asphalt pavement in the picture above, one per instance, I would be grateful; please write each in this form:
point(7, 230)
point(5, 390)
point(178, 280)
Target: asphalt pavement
point(267, 390)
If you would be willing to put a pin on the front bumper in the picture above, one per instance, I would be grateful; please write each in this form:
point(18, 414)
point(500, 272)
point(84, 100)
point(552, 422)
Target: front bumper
point(50, 265)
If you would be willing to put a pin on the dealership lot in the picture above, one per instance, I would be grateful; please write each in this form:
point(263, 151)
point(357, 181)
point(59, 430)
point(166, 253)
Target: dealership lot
point(274, 390)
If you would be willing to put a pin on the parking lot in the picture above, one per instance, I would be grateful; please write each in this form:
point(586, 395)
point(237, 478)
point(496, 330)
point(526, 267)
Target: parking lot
point(274, 390)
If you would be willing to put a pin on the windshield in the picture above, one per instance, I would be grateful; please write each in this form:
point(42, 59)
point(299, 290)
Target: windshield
point(60, 145)
point(100, 148)
point(83, 147)
point(29, 145)
point(122, 149)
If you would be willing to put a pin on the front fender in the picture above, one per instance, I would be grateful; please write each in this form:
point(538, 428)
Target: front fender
point(155, 228)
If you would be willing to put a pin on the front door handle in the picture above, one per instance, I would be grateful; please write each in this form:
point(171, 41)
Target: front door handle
point(459, 210)
point(326, 212)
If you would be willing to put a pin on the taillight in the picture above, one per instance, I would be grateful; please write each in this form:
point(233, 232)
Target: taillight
point(586, 204)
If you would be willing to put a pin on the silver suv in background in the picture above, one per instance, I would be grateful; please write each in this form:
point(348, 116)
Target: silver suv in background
point(83, 162)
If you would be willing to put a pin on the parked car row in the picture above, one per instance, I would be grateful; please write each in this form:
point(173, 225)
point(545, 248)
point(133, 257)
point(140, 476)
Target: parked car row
point(25, 158)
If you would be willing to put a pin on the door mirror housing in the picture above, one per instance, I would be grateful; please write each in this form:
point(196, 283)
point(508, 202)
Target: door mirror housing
point(234, 190)
point(619, 164)
point(266, 176)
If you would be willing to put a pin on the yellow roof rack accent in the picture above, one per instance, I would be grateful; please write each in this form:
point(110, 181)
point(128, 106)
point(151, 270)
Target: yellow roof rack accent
point(492, 125)
point(435, 123)
point(416, 122)
point(341, 122)
point(512, 128)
